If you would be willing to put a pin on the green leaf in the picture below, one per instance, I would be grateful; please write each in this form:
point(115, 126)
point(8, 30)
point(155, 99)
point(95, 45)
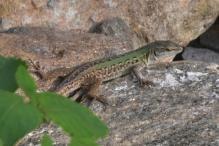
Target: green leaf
point(8, 67)
point(75, 119)
point(82, 142)
point(25, 81)
point(16, 118)
point(1, 143)
point(46, 141)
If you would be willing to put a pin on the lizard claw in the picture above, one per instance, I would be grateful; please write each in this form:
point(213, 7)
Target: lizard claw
point(36, 69)
point(88, 99)
point(147, 83)
point(100, 99)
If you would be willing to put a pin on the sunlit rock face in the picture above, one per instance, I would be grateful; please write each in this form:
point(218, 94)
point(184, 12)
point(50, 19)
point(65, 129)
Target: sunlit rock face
point(180, 21)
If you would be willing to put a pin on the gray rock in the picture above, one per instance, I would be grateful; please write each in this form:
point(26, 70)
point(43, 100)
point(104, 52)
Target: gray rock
point(210, 38)
point(38, 4)
point(181, 109)
point(6, 23)
point(53, 48)
point(115, 27)
point(200, 54)
point(51, 4)
point(118, 28)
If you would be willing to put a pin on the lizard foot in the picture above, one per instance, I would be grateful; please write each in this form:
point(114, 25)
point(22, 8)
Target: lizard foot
point(100, 99)
point(146, 83)
point(84, 95)
point(36, 69)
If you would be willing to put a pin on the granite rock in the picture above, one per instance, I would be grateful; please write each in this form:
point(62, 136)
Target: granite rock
point(47, 49)
point(200, 54)
point(54, 48)
point(118, 28)
point(180, 21)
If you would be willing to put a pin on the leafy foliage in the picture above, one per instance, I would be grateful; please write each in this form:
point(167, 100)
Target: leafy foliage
point(82, 142)
point(24, 80)
point(46, 141)
point(71, 116)
point(8, 67)
point(1, 144)
point(18, 117)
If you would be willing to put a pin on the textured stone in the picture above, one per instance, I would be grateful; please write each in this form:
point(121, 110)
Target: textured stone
point(180, 20)
point(114, 27)
point(200, 54)
point(6, 23)
point(54, 48)
point(37, 4)
point(181, 109)
point(118, 28)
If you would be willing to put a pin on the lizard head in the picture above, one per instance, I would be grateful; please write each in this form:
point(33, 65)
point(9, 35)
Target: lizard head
point(163, 51)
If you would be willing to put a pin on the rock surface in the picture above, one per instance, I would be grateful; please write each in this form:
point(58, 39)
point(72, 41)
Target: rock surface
point(181, 109)
point(54, 48)
point(200, 54)
point(118, 28)
point(51, 49)
point(180, 21)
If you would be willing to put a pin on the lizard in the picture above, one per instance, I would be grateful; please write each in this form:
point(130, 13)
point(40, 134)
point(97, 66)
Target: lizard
point(85, 80)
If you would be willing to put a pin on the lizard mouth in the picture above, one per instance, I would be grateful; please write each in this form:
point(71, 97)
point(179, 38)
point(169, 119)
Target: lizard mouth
point(168, 59)
point(165, 59)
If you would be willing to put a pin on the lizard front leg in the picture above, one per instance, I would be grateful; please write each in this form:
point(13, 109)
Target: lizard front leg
point(90, 90)
point(142, 80)
point(35, 69)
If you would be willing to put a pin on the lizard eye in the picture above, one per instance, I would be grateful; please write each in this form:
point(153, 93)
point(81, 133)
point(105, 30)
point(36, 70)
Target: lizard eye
point(170, 49)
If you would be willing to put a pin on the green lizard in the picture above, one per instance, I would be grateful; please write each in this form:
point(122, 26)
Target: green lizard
point(87, 78)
